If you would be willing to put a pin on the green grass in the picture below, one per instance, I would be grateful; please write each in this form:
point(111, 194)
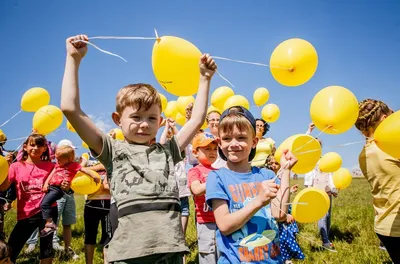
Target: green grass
point(352, 232)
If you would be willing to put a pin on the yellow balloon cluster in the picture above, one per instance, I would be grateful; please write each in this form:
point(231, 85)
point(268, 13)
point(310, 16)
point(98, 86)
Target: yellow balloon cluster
point(342, 178)
point(310, 205)
point(47, 119)
point(237, 100)
point(220, 95)
point(387, 135)
point(261, 96)
point(330, 162)
point(334, 110)
point(176, 65)
point(34, 98)
point(84, 184)
point(212, 108)
point(3, 169)
point(270, 113)
point(305, 148)
point(293, 62)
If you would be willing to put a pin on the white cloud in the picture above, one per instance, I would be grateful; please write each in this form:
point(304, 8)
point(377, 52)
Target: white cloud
point(101, 122)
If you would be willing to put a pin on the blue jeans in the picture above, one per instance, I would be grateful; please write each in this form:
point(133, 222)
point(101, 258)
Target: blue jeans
point(324, 224)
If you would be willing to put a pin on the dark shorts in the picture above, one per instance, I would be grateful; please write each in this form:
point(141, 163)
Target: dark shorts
point(185, 210)
point(96, 212)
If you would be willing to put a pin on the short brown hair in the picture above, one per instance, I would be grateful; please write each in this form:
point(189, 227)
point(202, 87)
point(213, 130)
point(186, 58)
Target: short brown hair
point(233, 119)
point(370, 113)
point(137, 95)
point(65, 152)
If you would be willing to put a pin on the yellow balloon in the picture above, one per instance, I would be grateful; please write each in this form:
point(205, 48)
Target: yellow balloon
point(220, 95)
point(183, 102)
point(261, 96)
point(164, 102)
point(85, 145)
point(306, 149)
point(310, 205)
point(212, 108)
point(330, 162)
point(176, 65)
point(47, 119)
point(84, 184)
point(237, 100)
point(270, 113)
point(342, 178)
point(172, 109)
point(14, 204)
point(387, 135)
point(34, 98)
point(180, 119)
point(118, 134)
point(293, 62)
point(70, 127)
point(334, 110)
point(3, 169)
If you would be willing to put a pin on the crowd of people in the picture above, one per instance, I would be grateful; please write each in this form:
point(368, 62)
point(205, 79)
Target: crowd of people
point(241, 198)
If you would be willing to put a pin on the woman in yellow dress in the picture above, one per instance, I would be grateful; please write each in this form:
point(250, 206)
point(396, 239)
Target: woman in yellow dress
point(265, 146)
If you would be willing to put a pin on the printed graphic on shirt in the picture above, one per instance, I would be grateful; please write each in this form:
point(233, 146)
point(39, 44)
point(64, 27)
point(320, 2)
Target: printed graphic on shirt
point(254, 237)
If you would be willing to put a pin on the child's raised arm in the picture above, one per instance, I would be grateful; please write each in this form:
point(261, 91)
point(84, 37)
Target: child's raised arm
point(189, 130)
point(70, 104)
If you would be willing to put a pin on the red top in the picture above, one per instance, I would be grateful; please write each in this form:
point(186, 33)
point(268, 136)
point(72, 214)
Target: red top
point(64, 173)
point(204, 214)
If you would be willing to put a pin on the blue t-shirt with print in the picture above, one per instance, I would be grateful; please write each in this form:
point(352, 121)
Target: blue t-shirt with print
point(258, 240)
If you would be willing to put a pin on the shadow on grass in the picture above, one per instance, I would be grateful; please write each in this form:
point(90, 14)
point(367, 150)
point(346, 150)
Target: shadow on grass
point(77, 232)
point(337, 235)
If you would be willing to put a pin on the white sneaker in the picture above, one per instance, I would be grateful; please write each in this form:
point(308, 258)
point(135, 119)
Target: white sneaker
point(57, 247)
point(30, 248)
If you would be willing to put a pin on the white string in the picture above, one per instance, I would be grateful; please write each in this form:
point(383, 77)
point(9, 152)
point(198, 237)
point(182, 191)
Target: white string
point(104, 51)
point(11, 118)
point(327, 127)
point(115, 37)
point(226, 80)
point(249, 62)
point(14, 139)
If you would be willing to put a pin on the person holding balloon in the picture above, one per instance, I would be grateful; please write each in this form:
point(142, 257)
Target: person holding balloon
point(142, 175)
point(288, 229)
point(64, 170)
point(170, 130)
point(322, 180)
point(382, 171)
point(29, 176)
point(239, 194)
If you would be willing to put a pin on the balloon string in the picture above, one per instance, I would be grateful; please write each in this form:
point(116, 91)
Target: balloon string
point(11, 118)
point(115, 37)
point(226, 80)
point(104, 51)
point(327, 127)
point(251, 63)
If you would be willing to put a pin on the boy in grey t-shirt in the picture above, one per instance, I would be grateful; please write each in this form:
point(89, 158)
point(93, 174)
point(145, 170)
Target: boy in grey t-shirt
point(142, 176)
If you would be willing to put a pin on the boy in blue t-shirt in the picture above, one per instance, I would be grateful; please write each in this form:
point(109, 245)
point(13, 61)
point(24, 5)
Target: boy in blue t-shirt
point(246, 200)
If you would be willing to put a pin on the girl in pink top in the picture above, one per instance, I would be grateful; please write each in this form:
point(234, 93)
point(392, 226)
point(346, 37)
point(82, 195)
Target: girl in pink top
point(29, 175)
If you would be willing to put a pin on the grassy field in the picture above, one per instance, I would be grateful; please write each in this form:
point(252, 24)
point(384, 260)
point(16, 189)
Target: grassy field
point(352, 232)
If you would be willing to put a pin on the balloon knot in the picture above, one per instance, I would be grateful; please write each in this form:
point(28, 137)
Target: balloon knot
point(291, 69)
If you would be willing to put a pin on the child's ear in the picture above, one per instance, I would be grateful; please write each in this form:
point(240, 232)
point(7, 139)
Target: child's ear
point(383, 117)
point(162, 121)
point(195, 152)
point(116, 118)
point(255, 142)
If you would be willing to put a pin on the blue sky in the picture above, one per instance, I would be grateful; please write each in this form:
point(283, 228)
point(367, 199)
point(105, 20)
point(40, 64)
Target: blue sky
point(357, 43)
